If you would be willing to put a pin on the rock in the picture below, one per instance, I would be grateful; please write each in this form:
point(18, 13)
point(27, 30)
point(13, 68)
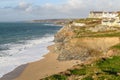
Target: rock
point(118, 74)
point(70, 48)
point(100, 28)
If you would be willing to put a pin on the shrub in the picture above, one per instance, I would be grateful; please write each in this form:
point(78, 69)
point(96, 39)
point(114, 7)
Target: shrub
point(110, 66)
point(57, 77)
point(116, 46)
point(109, 77)
point(78, 71)
point(88, 78)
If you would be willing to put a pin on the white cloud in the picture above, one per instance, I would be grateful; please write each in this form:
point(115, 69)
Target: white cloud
point(75, 3)
point(73, 8)
point(69, 9)
point(24, 6)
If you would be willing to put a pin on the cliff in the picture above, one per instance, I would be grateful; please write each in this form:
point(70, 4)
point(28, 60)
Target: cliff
point(95, 45)
point(54, 21)
point(87, 44)
point(103, 69)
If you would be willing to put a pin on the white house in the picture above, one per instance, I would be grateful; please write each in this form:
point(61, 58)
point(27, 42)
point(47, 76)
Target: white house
point(108, 18)
point(109, 15)
point(78, 24)
point(101, 14)
point(95, 14)
point(111, 21)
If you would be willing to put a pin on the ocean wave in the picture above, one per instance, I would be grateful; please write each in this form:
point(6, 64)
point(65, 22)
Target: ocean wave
point(49, 24)
point(23, 52)
point(52, 24)
point(16, 48)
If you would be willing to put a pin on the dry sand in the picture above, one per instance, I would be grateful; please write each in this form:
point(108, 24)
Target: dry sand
point(45, 67)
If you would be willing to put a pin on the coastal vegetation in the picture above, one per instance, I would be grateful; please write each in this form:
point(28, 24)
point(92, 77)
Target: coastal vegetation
point(76, 42)
point(102, 69)
point(76, 45)
point(80, 33)
point(93, 28)
point(88, 21)
point(116, 46)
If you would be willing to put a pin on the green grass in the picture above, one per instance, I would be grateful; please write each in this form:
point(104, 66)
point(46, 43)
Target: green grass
point(88, 78)
point(89, 21)
point(78, 71)
point(116, 46)
point(108, 77)
point(110, 66)
point(104, 69)
point(111, 34)
point(56, 77)
point(80, 33)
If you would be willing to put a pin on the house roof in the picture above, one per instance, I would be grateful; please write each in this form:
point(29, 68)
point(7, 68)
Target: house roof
point(96, 11)
point(103, 12)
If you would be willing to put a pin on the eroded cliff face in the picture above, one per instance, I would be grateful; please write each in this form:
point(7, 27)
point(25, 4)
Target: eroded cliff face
point(71, 48)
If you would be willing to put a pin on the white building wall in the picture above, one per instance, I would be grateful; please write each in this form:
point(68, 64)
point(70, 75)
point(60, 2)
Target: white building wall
point(109, 15)
point(103, 15)
point(78, 24)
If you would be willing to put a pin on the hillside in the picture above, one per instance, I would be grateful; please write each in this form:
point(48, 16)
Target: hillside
point(76, 42)
point(54, 21)
point(96, 45)
point(102, 69)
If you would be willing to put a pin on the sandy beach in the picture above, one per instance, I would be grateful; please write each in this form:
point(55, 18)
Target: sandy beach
point(42, 68)
point(45, 67)
point(15, 73)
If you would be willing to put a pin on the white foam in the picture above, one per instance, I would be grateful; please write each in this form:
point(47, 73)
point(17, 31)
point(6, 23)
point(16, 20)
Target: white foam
point(49, 24)
point(21, 54)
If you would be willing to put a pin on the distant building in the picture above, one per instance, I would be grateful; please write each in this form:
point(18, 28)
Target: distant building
point(111, 21)
point(108, 18)
point(78, 24)
point(101, 14)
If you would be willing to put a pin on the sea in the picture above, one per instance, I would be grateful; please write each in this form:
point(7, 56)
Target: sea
point(22, 42)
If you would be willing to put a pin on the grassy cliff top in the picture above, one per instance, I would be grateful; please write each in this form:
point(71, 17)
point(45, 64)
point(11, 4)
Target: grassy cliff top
point(88, 20)
point(103, 69)
point(94, 28)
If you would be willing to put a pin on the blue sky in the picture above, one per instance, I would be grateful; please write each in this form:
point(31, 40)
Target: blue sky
point(4, 3)
point(21, 10)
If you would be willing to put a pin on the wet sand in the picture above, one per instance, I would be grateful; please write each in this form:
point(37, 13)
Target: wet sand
point(42, 68)
point(15, 73)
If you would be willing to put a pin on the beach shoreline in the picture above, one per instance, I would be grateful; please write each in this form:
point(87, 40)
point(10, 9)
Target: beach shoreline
point(47, 66)
point(15, 73)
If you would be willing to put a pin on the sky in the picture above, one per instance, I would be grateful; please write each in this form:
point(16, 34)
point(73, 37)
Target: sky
point(25, 10)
